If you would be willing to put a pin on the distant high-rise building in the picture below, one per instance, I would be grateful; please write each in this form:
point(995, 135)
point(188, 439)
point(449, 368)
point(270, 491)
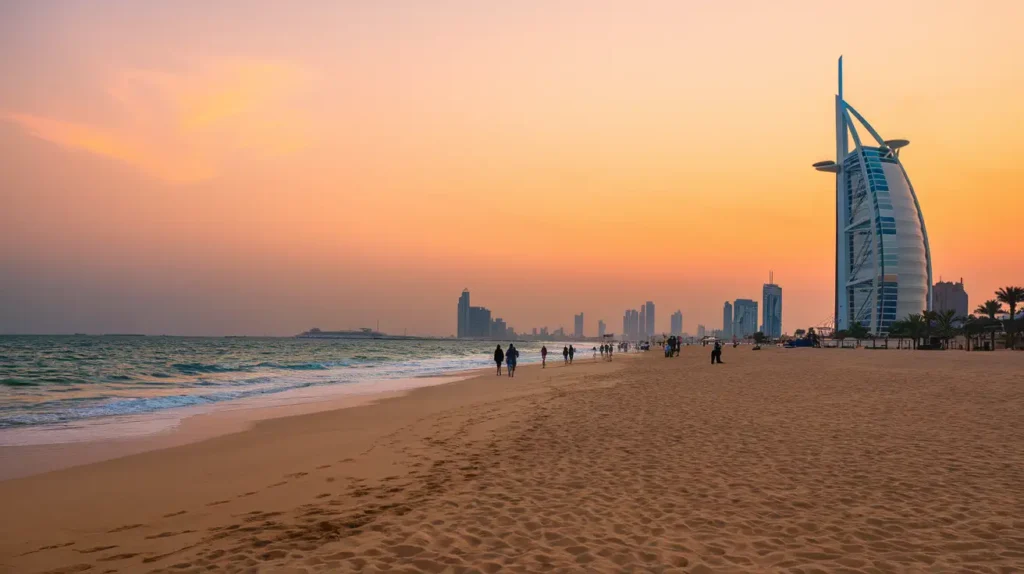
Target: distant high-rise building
point(676, 322)
point(559, 333)
point(463, 324)
point(479, 322)
point(649, 306)
point(535, 331)
point(544, 332)
point(578, 324)
point(744, 319)
point(771, 309)
point(701, 331)
point(949, 296)
point(631, 324)
point(727, 320)
point(642, 325)
point(600, 328)
point(498, 329)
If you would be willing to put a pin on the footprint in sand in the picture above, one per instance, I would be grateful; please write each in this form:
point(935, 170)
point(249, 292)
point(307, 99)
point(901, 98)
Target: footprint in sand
point(178, 513)
point(95, 549)
point(126, 527)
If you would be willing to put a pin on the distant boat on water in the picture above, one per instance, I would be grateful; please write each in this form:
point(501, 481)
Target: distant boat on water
point(364, 333)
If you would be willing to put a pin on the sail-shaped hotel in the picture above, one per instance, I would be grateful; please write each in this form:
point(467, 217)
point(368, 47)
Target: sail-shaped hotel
point(883, 262)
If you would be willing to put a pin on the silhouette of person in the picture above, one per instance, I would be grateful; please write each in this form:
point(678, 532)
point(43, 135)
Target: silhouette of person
point(572, 352)
point(565, 355)
point(510, 359)
point(499, 357)
point(543, 357)
point(716, 353)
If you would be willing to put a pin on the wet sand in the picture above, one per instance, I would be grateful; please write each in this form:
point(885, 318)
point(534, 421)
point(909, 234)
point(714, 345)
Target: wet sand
point(803, 459)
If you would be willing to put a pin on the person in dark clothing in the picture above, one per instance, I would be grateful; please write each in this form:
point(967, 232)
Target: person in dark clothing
point(543, 357)
point(572, 351)
point(565, 355)
point(499, 357)
point(510, 359)
point(716, 353)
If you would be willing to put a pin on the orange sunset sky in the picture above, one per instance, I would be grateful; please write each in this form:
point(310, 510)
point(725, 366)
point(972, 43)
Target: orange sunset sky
point(252, 167)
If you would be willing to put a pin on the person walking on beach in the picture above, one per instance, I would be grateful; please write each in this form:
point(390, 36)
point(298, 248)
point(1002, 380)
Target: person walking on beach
point(572, 352)
point(594, 350)
point(565, 355)
point(510, 359)
point(499, 357)
point(543, 357)
point(716, 353)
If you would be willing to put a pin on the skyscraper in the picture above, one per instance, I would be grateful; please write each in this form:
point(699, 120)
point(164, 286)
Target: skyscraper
point(650, 319)
point(600, 328)
point(883, 259)
point(625, 324)
point(499, 329)
point(676, 321)
point(632, 324)
point(578, 324)
point(727, 320)
point(950, 296)
point(771, 308)
point(463, 321)
point(642, 326)
point(479, 322)
point(701, 331)
point(744, 320)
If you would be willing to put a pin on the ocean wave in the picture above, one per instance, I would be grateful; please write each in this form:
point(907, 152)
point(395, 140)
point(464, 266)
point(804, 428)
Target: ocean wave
point(55, 412)
point(18, 383)
point(198, 368)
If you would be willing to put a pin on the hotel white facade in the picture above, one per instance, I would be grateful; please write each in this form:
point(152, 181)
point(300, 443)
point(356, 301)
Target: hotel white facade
point(883, 261)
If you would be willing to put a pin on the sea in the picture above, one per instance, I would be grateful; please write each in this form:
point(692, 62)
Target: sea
point(49, 382)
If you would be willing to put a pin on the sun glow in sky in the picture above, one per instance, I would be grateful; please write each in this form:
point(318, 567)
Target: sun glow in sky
point(265, 167)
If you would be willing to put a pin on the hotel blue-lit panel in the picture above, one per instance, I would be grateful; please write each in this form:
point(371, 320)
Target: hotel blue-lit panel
point(886, 275)
point(911, 271)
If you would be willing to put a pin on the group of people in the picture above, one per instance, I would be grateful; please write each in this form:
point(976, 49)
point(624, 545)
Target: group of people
point(673, 345)
point(509, 357)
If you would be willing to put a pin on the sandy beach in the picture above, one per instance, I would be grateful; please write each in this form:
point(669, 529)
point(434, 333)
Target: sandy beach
point(803, 460)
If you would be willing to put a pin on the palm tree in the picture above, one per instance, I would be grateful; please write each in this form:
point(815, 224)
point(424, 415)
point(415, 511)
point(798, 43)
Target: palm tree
point(970, 327)
point(898, 330)
point(916, 326)
point(839, 335)
point(990, 309)
point(1011, 296)
point(931, 320)
point(945, 324)
point(858, 331)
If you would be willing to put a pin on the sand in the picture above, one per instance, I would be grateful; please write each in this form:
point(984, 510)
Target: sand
point(802, 460)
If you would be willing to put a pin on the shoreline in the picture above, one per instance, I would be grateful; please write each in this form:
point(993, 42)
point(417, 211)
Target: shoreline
point(26, 452)
point(50, 448)
point(263, 463)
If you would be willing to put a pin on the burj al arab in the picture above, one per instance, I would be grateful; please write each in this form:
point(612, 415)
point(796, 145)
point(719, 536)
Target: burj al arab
point(883, 261)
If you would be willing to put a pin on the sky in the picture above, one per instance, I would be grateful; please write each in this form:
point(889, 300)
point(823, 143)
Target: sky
point(247, 167)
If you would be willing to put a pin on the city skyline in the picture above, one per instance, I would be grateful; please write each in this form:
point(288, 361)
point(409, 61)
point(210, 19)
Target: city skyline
point(246, 168)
